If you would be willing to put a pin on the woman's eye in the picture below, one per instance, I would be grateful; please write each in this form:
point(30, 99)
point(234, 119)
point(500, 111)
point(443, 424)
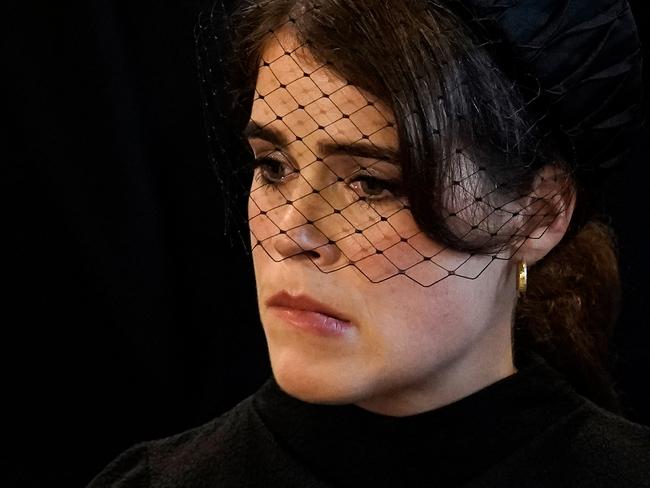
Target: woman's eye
point(272, 171)
point(373, 188)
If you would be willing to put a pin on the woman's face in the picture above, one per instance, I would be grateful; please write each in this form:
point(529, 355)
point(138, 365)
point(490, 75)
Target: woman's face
point(325, 224)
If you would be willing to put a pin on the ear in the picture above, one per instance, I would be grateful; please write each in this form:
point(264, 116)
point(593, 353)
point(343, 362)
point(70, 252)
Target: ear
point(546, 214)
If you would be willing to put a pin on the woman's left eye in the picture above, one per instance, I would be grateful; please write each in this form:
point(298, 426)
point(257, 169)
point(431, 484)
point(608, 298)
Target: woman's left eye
point(373, 188)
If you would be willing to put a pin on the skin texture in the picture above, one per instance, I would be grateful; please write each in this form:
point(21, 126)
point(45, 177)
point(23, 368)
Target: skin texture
point(412, 348)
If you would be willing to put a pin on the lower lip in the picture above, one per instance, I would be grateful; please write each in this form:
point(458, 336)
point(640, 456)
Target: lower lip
point(315, 322)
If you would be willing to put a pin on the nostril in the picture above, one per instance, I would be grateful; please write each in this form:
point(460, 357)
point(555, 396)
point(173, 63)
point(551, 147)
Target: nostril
point(309, 241)
point(313, 254)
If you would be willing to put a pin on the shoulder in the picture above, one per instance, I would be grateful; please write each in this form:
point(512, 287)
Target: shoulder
point(131, 468)
point(189, 458)
point(610, 447)
point(590, 447)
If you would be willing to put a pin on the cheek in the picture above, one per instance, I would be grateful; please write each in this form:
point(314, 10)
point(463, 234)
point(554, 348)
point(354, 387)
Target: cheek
point(262, 264)
point(260, 226)
point(263, 270)
point(425, 326)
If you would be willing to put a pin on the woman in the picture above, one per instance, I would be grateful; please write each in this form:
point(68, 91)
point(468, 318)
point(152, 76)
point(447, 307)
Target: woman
point(410, 161)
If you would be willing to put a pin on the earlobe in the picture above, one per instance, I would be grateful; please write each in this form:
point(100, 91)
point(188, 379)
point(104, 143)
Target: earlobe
point(549, 208)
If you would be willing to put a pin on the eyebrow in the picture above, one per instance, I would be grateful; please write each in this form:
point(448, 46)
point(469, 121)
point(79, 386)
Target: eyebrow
point(275, 137)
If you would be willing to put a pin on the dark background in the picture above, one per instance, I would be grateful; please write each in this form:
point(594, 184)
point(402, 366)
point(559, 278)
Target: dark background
point(128, 316)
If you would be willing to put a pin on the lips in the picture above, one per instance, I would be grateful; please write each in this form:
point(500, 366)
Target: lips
point(308, 314)
point(304, 302)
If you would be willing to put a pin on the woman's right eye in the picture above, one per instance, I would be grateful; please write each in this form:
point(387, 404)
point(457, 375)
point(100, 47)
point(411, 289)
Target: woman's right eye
point(272, 171)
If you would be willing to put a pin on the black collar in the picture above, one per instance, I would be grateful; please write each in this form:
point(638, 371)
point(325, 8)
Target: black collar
point(350, 446)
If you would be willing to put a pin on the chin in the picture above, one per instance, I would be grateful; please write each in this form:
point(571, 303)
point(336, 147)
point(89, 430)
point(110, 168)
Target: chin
point(316, 384)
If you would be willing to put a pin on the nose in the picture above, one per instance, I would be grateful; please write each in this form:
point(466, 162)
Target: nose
point(301, 222)
point(298, 223)
point(306, 240)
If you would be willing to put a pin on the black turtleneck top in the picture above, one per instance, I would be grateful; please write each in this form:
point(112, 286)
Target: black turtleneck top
point(528, 430)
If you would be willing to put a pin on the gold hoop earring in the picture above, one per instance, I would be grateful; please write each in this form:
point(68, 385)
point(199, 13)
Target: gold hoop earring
point(522, 278)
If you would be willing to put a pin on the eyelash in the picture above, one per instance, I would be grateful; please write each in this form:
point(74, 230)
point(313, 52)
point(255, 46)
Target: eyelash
point(391, 186)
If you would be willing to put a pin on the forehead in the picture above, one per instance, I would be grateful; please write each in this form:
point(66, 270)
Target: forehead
point(303, 98)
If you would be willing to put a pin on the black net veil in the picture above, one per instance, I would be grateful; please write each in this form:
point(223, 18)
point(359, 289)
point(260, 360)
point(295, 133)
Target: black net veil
point(413, 138)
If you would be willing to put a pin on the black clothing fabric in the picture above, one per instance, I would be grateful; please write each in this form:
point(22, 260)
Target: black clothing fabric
point(530, 429)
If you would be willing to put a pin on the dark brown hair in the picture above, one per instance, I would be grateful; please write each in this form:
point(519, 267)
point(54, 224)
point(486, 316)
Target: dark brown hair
point(450, 98)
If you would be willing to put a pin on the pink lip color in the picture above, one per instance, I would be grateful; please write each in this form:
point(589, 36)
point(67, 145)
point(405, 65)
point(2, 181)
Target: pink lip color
point(312, 321)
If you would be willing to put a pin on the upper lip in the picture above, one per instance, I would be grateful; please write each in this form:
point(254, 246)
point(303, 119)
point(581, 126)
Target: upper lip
point(303, 302)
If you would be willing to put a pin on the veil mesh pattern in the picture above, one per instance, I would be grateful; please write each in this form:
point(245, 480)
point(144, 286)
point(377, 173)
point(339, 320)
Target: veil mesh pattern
point(314, 189)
